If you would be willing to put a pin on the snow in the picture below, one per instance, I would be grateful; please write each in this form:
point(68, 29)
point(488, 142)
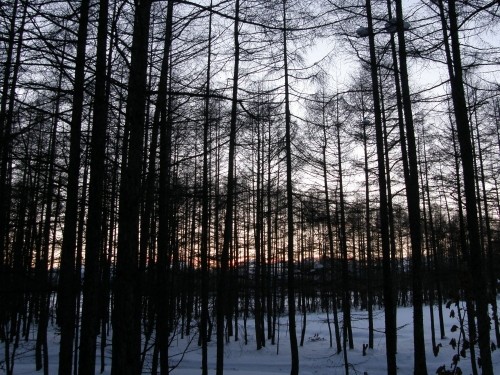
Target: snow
point(316, 356)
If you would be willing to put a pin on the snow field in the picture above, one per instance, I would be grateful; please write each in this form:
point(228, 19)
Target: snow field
point(316, 356)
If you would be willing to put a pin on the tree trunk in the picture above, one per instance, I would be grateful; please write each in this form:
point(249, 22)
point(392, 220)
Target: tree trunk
point(412, 196)
point(228, 220)
point(489, 240)
point(329, 226)
point(165, 243)
point(436, 270)
point(346, 300)
point(258, 224)
point(390, 318)
point(126, 313)
point(465, 253)
point(5, 140)
point(369, 260)
point(289, 199)
point(94, 233)
point(67, 288)
point(205, 215)
point(464, 138)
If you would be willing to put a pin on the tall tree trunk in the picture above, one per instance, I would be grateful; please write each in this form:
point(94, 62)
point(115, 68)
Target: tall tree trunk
point(412, 196)
point(148, 238)
point(466, 254)
point(329, 226)
point(79, 251)
point(5, 139)
point(49, 196)
point(390, 319)
point(346, 298)
point(41, 351)
point(434, 246)
point(369, 250)
point(258, 224)
point(268, 217)
point(126, 313)
point(430, 280)
point(94, 233)
point(205, 215)
point(67, 287)
point(6, 123)
point(464, 139)
point(228, 220)
point(390, 206)
point(489, 240)
point(271, 285)
point(289, 205)
point(165, 245)
point(107, 259)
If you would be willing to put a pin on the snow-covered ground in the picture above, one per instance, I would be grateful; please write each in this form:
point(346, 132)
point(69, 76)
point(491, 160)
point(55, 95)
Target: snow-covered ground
point(316, 356)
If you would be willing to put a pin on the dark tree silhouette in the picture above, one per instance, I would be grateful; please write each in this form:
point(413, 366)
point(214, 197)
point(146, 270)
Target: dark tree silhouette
point(68, 287)
point(289, 204)
point(94, 234)
point(126, 312)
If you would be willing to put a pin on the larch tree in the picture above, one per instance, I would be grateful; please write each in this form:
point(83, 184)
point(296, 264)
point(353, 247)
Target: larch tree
point(126, 312)
point(412, 198)
point(455, 70)
point(94, 235)
point(289, 204)
point(230, 186)
point(165, 247)
point(390, 324)
point(204, 245)
point(67, 286)
point(8, 86)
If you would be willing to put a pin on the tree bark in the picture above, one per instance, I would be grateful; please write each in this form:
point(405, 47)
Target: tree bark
point(67, 287)
point(165, 243)
point(390, 324)
point(369, 250)
point(228, 220)
point(412, 196)
point(464, 139)
point(329, 226)
point(289, 199)
point(205, 215)
point(94, 233)
point(5, 139)
point(126, 313)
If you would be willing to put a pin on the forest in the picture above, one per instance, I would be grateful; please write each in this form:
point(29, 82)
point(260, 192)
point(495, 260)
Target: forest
point(178, 168)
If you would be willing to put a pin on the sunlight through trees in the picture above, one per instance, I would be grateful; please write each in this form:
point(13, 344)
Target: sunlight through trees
point(220, 170)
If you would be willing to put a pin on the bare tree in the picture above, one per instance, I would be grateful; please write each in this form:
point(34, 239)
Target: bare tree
point(390, 318)
point(289, 204)
point(68, 287)
point(94, 234)
point(228, 220)
point(126, 312)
